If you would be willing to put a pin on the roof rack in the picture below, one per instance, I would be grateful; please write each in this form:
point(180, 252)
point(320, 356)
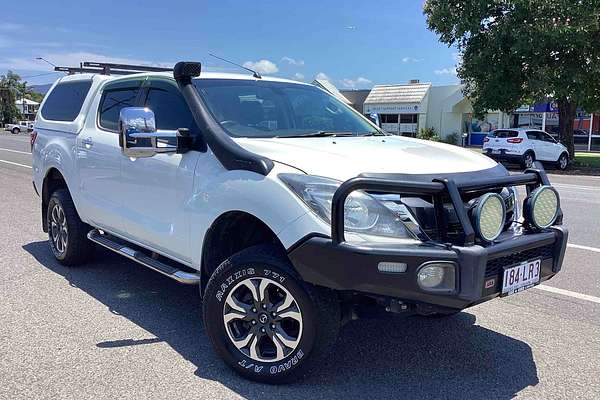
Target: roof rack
point(110, 69)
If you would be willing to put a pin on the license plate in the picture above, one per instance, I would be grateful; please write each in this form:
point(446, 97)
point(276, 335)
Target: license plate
point(521, 277)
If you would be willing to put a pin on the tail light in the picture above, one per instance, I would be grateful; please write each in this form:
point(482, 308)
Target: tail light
point(515, 140)
point(32, 138)
point(486, 139)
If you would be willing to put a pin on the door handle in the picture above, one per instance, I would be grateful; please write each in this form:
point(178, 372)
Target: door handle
point(87, 142)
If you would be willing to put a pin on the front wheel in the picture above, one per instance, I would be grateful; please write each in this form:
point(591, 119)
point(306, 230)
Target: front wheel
point(265, 322)
point(563, 162)
point(16, 131)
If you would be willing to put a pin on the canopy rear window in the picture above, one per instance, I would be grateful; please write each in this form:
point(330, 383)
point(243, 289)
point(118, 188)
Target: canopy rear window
point(65, 100)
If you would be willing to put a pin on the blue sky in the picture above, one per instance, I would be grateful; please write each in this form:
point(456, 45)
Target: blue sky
point(356, 44)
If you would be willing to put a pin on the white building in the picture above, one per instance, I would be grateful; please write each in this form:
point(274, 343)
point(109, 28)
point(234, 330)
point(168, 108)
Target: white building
point(27, 108)
point(401, 109)
point(405, 109)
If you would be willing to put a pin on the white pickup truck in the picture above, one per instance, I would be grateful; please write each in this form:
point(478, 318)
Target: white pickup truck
point(292, 212)
point(21, 126)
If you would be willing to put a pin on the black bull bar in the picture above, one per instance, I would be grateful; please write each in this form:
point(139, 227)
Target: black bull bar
point(439, 189)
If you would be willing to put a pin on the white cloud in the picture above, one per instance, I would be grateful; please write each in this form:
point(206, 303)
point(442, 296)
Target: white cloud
point(354, 83)
point(323, 76)
point(293, 61)
point(298, 77)
point(451, 70)
point(70, 60)
point(262, 66)
point(445, 71)
point(411, 60)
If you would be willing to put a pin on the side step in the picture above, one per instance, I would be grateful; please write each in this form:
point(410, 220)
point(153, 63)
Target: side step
point(180, 276)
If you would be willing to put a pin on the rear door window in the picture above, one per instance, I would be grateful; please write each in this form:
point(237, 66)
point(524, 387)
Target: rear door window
point(115, 97)
point(65, 101)
point(533, 135)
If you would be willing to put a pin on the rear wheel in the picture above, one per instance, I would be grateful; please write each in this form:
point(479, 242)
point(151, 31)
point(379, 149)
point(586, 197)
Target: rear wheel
point(16, 131)
point(563, 162)
point(528, 160)
point(265, 322)
point(67, 234)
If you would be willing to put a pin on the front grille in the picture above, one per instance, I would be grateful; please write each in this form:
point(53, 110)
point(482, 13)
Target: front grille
point(424, 213)
point(495, 266)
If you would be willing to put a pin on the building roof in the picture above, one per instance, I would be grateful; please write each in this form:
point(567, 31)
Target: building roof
point(26, 101)
point(392, 94)
point(355, 96)
point(330, 87)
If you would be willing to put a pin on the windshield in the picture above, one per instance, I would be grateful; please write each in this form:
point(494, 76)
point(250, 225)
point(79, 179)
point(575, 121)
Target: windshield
point(263, 109)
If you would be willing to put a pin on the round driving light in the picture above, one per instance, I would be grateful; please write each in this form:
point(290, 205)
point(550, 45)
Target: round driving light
point(489, 216)
point(542, 207)
point(437, 276)
point(431, 276)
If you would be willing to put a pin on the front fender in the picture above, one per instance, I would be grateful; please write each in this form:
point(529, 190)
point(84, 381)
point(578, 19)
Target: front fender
point(264, 197)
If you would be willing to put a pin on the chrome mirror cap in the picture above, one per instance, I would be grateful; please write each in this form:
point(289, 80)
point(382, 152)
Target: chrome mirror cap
point(139, 137)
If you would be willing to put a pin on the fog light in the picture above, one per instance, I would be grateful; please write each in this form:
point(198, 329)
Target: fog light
point(489, 216)
point(541, 207)
point(437, 276)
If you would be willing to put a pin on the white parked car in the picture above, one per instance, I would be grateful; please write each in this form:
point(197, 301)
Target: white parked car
point(22, 126)
point(291, 211)
point(525, 146)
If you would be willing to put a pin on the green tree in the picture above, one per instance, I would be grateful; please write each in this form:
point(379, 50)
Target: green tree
point(520, 51)
point(11, 88)
point(35, 96)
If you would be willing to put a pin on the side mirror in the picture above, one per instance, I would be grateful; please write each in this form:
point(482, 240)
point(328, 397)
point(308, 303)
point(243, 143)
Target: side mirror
point(139, 137)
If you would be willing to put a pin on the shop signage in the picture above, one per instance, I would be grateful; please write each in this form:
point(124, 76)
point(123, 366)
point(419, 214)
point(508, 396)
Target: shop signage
point(400, 108)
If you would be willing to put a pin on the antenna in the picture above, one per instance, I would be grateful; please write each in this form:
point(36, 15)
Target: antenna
point(254, 73)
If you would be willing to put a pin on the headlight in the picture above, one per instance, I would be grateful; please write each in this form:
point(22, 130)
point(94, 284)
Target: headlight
point(541, 207)
point(362, 212)
point(488, 216)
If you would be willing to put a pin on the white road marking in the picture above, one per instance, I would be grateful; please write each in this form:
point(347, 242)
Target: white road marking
point(577, 246)
point(576, 187)
point(15, 151)
point(14, 163)
point(568, 293)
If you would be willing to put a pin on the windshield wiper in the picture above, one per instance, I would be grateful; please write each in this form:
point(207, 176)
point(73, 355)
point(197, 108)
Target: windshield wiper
point(319, 134)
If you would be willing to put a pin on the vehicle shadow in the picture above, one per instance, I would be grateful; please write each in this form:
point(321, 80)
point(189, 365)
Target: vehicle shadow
point(396, 357)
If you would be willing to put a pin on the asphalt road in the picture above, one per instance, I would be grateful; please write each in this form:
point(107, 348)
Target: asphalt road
point(114, 329)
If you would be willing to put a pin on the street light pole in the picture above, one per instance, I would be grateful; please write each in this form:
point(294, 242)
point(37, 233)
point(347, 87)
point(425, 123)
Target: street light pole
point(46, 61)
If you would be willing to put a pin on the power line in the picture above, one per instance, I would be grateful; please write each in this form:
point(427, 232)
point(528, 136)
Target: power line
point(35, 76)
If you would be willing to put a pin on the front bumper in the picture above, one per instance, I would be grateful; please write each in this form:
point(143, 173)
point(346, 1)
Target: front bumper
point(343, 266)
point(335, 263)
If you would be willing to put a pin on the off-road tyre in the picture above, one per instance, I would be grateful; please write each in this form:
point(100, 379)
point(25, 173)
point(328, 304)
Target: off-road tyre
point(319, 309)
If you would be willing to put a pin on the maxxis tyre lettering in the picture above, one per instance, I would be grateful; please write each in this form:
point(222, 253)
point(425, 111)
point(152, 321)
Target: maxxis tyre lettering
point(320, 315)
point(78, 248)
